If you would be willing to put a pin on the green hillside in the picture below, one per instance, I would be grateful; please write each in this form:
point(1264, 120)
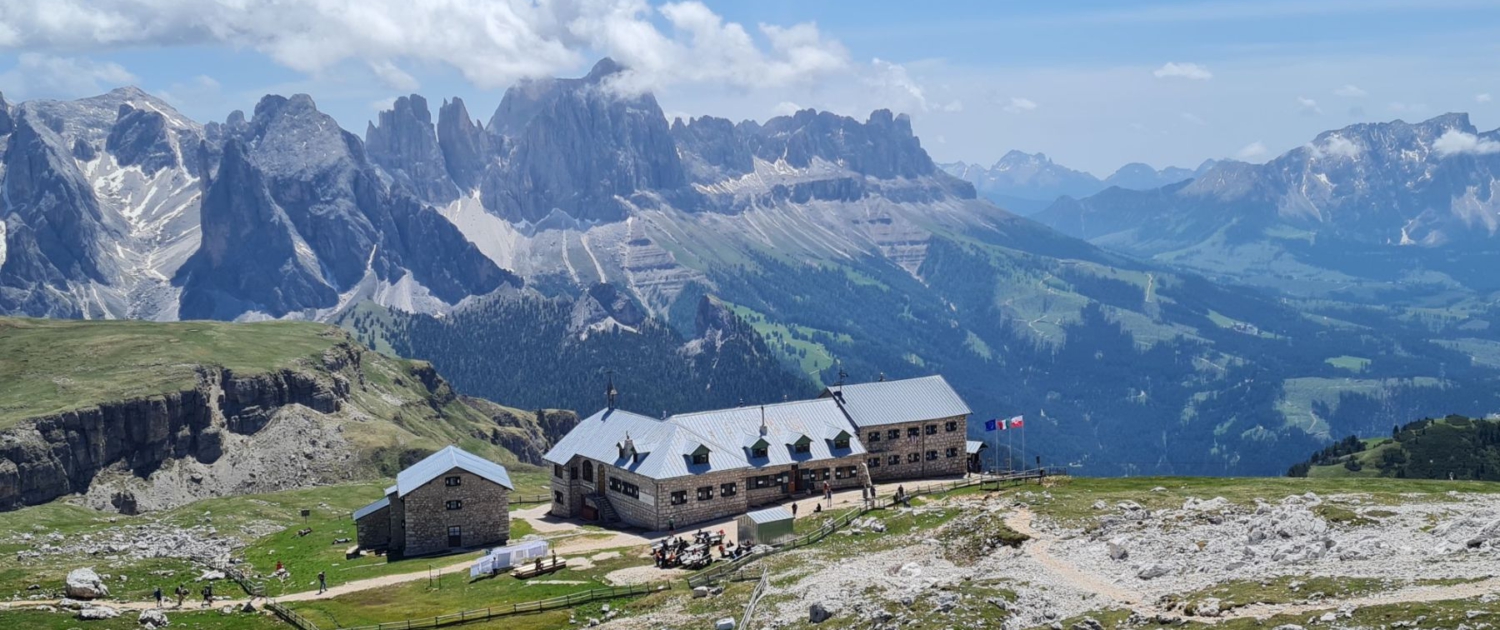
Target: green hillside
point(1454, 447)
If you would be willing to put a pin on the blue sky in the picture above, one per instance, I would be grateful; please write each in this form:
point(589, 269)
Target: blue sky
point(1092, 84)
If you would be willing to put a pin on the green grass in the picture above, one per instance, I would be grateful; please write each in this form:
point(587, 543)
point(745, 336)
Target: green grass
point(204, 620)
point(794, 342)
point(52, 366)
point(1353, 364)
point(1440, 614)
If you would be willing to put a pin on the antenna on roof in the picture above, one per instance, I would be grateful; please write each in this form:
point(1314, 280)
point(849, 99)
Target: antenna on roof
point(610, 392)
point(842, 374)
point(882, 377)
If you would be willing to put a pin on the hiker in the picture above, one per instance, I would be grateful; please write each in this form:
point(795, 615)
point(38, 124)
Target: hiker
point(818, 508)
point(828, 493)
point(554, 558)
point(322, 582)
point(671, 527)
point(208, 595)
point(794, 509)
point(182, 594)
point(900, 494)
point(158, 595)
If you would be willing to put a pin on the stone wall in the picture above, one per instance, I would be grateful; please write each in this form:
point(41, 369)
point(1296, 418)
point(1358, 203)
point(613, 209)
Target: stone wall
point(639, 511)
point(923, 443)
point(484, 519)
point(374, 530)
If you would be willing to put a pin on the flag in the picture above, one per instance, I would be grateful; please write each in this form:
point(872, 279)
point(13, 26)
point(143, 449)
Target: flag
point(1017, 422)
point(990, 425)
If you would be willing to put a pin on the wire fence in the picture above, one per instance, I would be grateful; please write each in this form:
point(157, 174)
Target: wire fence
point(728, 570)
point(496, 612)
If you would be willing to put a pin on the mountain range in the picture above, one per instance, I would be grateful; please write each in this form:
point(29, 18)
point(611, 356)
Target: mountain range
point(1027, 183)
point(708, 262)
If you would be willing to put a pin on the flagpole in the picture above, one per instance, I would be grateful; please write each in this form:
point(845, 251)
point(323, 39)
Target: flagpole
point(1010, 452)
point(1023, 442)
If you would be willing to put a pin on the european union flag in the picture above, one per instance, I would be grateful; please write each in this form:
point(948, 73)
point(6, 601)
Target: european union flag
point(989, 425)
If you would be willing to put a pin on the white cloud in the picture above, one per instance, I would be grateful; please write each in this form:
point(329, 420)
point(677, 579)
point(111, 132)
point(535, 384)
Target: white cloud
point(1482, 98)
point(1351, 91)
point(1183, 70)
point(1335, 146)
point(1193, 118)
point(897, 88)
point(1308, 106)
point(1018, 105)
point(384, 104)
point(490, 43)
point(786, 108)
point(36, 75)
point(1252, 151)
point(1455, 142)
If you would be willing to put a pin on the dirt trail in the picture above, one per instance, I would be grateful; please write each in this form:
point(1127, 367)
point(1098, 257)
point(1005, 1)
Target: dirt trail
point(1410, 595)
point(1039, 549)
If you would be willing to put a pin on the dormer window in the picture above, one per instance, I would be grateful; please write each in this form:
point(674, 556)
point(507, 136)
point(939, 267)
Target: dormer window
point(841, 440)
point(759, 449)
point(700, 456)
point(802, 445)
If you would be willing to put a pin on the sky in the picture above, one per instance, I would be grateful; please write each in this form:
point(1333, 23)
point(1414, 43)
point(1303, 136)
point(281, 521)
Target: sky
point(1094, 84)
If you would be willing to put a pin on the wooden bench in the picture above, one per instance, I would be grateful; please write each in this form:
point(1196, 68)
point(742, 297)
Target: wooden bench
point(532, 569)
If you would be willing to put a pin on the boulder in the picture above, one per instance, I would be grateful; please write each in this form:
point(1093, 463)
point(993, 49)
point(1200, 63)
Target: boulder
point(1088, 623)
point(816, 613)
point(1207, 608)
point(98, 612)
point(726, 623)
point(1117, 549)
point(1152, 571)
point(85, 584)
point(152, 619)
point(700, 591)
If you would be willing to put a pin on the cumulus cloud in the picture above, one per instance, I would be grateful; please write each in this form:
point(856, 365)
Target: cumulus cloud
point(37, 74)
point(1351, 91)
point(1173, 69)
point(1482, 98)
point(491, 43)
point(1018, 105)
point(1252, 151)
point(1335, 146)
point(1308, 106)
point(1455, 142)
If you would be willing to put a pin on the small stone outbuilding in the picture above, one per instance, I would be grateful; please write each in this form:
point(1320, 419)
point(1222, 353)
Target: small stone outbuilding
point(450, 501)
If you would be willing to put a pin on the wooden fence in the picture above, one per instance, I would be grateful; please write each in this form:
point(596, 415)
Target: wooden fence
point(496, 612)
point(291, 617)
point(760, 589)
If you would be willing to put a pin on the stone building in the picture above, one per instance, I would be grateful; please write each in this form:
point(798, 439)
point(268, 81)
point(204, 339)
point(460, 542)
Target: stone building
point(451, 500)
point(689, 468)
point(913, 428)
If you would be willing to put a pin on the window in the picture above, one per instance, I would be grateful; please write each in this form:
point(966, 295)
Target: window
point(759, 450)
point(873, 462)
point(874, 436)
point(705, 493)
point(456, 504)
point(557, 497)
point(588, 471)
point(951, 426)
point(851, 472)
point(700, 459)
point(913, 432)
point(573, 473)
point(894, 460)
point(679, 497)
point(453, 481)
point(557, 470)
point(802, 446)
point(893, 434)
point(931, 429)
point(838, 473)
point(913, 457)
point(952, 452)
point(762, 481)
point(624, 487)
point(842, 441)
point(931, 455)
point(728, 489)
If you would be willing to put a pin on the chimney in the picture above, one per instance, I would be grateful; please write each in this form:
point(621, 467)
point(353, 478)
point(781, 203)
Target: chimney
point(610, 393)
point(763, 428)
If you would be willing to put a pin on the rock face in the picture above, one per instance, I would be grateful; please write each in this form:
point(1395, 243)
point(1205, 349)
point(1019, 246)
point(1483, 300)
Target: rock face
point(85, 584)
point(61, 454)
point(405, 144)
point(464, 144)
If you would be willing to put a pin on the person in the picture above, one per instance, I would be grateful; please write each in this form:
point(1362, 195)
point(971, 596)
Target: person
point(158, 595)
point(794, 509)
point(818, 508)
point(208, 595)
point(279, 567)
point(901, 494)
point(181, 594)
point(828, 492)
point(672, 526)
point(721, 550)
point(322, 582)
point(554, 557)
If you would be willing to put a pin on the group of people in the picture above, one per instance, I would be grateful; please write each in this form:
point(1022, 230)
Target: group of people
point(182, 592)
point(678, 552)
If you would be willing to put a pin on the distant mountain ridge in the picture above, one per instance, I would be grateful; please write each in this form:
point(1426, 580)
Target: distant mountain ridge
point(1027, 182)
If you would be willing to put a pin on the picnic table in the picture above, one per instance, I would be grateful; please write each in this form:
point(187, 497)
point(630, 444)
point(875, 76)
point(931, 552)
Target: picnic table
point(540, 567)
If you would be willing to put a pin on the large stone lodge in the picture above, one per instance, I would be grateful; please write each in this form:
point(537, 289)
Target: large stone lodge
point(688, 468)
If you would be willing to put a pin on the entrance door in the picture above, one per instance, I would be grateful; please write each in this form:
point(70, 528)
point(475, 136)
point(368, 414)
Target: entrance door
point(796, 478)
point(455, 536)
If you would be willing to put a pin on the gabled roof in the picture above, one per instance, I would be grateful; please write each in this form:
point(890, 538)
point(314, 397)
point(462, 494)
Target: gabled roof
point(819, 421)
point(372, 508)
point(420, 473)
point(974, 446)
point(895, 402)
point(665, 449)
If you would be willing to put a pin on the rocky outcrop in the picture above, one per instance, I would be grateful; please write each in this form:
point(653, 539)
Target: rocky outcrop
point(85, 584)
point(61, 454)
point(464, 144)
point(405, 146)
point(139, 138)
point(527, 435)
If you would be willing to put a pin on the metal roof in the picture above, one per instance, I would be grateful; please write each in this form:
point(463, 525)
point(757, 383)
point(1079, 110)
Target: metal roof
point(973, 446)
point(663, 448)
point(770, 515)
point(445, 460)
point(895, 402)
point(819, 420)
point(372, 508)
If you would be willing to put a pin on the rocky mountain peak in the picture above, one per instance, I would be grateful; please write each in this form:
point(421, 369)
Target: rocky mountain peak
point(7, 124)
point(141, 137)
point(603, 69)
point(464, 144)
point(405, 145)
point(1014, 158)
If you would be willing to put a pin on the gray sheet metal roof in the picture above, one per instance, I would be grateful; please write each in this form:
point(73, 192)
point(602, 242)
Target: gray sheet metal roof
point(973, 446)
point(820, 420)
point(770, 515)
point(895, 402)
point(372, 508)
point(445, 460)
point(665, 448)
